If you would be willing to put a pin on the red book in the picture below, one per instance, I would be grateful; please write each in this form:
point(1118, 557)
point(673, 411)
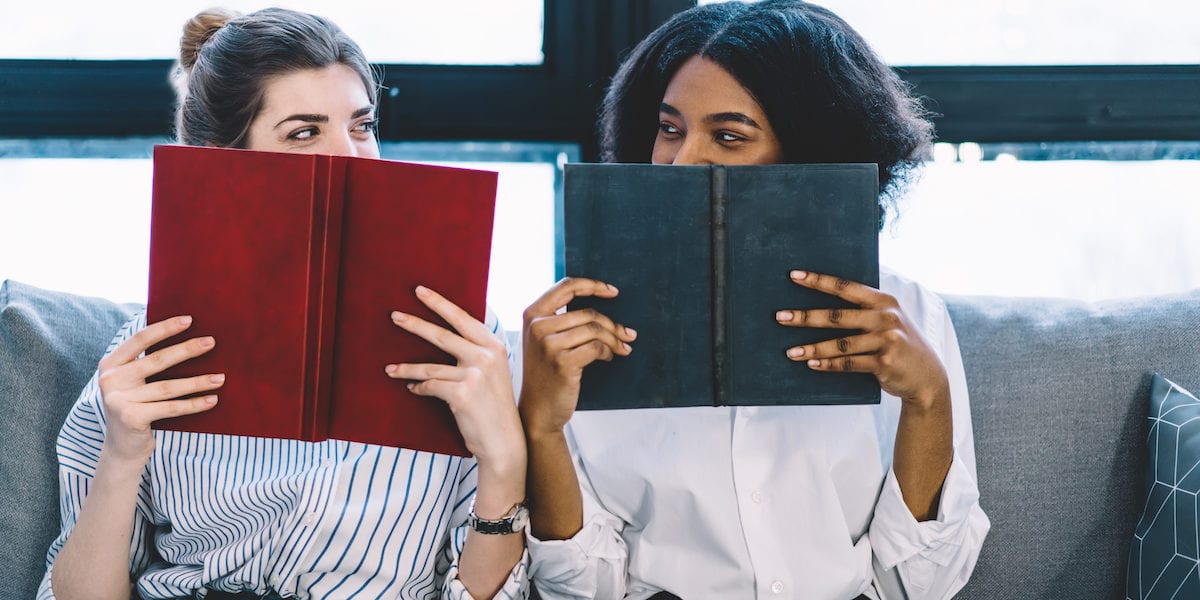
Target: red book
point(294, 263)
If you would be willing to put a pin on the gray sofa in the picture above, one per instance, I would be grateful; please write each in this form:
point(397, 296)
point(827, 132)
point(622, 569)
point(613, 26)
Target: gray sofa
point(1058, 390)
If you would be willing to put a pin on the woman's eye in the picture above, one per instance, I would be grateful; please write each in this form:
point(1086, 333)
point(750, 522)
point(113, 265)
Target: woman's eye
point(303, 134)
point(370, 126)
point(668, 129)
point(726, 137)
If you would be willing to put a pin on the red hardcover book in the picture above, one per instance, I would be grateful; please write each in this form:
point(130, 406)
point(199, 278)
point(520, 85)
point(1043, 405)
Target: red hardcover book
point(294, 263)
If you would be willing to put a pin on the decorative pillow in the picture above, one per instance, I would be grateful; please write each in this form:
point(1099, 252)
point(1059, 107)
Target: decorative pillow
point(1164, 558)
point(50, 343)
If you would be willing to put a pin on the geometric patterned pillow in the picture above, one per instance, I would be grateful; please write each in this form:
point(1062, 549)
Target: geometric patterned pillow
point(1164, 558)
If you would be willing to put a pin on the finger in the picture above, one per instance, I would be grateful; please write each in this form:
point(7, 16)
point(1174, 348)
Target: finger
point(152, 334)
point(855, 344)
point(178, 408)
point(544, 326)
point(843, 318)
point(566, 290)
point(437, 388)
point(862, 295)
point(422, 372)
point(462, 322)
point(163, 359)
point(858, 363)
point(437, 335)
point(582, 356)
point(584, 334)
point(174, 388)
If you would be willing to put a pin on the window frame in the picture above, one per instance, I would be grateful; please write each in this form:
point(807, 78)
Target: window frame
point(583, 43)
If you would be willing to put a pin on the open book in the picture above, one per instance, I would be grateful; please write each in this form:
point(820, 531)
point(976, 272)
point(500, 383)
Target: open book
point(702, 256)
point(294, 263)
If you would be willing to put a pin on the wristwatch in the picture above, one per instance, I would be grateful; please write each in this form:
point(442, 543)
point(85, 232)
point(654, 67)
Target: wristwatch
point(513, 522)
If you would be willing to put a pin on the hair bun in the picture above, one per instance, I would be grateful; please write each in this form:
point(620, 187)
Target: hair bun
point(198, 30)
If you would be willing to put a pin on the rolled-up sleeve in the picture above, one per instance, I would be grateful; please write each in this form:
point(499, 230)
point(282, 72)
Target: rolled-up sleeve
point(592, 563)
point(933, 559)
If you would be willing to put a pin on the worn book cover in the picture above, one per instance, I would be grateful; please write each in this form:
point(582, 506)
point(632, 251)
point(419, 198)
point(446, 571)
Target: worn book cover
point(702, 256)
point(294, 263)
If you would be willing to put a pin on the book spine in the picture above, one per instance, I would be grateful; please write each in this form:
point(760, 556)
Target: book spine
point(718, 197)
point(324, 248)
point(326, 263)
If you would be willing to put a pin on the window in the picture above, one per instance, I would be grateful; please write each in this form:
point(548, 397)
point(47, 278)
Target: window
point(1088, 221)
point(461, 32)
point(84, 95)
point(1027, 32)
point(1069, 149)
point(85, 220)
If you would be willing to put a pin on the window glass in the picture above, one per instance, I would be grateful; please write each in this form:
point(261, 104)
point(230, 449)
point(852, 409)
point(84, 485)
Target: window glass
point(984, 221)
point(459, 32)
point(1026, 32)
point(82, 225)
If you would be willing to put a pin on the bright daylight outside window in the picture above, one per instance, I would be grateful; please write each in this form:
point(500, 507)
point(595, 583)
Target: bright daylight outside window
point(83, 206)
point(1083, 220)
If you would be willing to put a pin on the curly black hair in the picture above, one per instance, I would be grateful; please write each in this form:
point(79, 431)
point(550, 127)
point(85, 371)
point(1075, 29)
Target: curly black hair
point(828, 96)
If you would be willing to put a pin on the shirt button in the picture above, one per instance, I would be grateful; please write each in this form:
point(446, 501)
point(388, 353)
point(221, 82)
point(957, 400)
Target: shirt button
point(777, 587)
point(756, 496)
point(309, 520)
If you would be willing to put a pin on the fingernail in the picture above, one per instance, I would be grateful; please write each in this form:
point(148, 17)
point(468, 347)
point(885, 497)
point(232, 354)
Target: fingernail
point(185, 321)
point(611, 286)
point(217, 378)
point(795, 352)
point(627, 347)
point(207, 342)
point(210, 399)
point(398, 316)
point(783, 315)
point(798, 275)
point(411, 386)
point(390, 369)
point(422, 291)
point(631, 331)
point(814, 363)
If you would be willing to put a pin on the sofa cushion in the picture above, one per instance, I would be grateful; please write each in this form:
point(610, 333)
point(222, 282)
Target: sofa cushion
point(50, 343)
point(1058, 399)
point(1164, 556)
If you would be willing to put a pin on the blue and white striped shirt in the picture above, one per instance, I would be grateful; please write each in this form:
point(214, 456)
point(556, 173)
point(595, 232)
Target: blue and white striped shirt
point(331, 519)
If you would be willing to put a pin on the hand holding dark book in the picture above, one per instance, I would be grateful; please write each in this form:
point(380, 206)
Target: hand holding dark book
point(889, 347)
point(558, 346)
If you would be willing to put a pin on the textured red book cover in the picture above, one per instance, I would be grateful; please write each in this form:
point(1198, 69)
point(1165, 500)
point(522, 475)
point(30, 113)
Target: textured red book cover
point(294, 262)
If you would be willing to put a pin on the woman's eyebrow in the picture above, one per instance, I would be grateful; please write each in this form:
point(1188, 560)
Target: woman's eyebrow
point(305, 118)
point(736, 117)
point(721, 117)
point(314, 118)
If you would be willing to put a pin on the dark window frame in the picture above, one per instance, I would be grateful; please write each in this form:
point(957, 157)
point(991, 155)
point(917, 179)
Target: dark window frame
point(583, 44)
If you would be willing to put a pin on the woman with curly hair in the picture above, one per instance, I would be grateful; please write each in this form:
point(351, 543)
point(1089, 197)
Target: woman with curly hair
point(875, 501)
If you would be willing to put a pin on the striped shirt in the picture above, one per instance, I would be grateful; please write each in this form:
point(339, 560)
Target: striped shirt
point(330, 519)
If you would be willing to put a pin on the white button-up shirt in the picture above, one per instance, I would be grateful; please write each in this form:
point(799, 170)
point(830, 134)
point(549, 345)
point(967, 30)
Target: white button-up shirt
point(766, 501)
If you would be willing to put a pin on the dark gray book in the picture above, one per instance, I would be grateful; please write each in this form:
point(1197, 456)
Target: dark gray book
point(702, 256)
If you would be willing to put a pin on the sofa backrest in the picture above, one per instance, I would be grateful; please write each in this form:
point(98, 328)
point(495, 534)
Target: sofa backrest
point(1059, 395)
point(50, 343)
